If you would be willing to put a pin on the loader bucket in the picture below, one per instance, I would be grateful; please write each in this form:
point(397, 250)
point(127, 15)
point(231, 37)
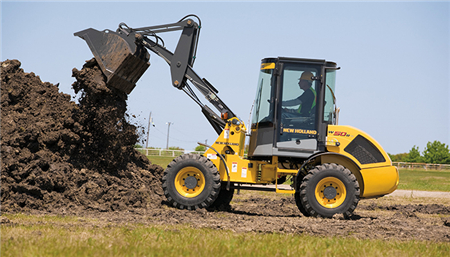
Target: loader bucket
point(122, 61)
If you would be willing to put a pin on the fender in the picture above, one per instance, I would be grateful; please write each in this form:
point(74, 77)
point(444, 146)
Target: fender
point(331, 157)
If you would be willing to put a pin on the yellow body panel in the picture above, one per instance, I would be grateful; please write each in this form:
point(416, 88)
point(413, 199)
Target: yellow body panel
point(379, 181)
point(267, 66)
point(239, 170)
point(230, 144)
point(375, 179)
point(284, 191)
point(339, 137)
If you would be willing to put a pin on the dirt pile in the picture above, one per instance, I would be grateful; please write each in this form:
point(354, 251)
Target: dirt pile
point(59, 155)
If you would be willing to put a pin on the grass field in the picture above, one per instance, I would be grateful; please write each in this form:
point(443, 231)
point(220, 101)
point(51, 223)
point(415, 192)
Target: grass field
point(163, 161)
point(72, 236)
point(426, 180)
point(50, 235)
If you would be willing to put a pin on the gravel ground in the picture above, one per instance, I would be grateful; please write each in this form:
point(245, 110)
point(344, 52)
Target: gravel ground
point(416, 193)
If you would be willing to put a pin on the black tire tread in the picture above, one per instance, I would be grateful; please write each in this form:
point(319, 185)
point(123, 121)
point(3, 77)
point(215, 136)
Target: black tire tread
point(173, 167)
point(222, 203)
point(297, 199)
point(305, 185)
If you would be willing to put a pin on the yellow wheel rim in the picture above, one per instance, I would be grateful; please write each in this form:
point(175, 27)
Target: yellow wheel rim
point(330, 192)
point(189, 182)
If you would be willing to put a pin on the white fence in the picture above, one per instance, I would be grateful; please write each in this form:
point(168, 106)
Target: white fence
point(165, 152)
point(425, 166)
point(400, 165)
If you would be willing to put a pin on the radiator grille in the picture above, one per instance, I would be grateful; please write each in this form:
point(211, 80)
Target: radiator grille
point(364, 151)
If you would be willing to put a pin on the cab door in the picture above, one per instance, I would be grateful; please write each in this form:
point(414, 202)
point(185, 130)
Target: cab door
point(263, 128)
point(298, 95)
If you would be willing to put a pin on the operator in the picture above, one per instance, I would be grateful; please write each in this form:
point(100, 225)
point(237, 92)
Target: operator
point(307, 100)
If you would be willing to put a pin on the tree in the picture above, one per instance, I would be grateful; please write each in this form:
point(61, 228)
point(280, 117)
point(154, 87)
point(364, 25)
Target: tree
point(200, 148)
point(400, 157)
point(414, 155)
point(436, 152)
point(176, 148)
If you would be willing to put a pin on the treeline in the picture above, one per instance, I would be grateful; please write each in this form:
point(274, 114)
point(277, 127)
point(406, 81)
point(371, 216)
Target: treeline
point(435, 152)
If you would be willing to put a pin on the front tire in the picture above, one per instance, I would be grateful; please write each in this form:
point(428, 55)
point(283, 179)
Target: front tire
point(329, 189)
point(191, 181)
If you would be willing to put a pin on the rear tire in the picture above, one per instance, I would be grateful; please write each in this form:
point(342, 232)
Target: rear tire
point(329, 189)
point(299, 204)
point(191, 181)
point(222, 203)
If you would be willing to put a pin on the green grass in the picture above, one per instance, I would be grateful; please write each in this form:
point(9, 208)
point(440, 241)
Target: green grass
point(162, 161)
point(72, 236)
point(424, 180)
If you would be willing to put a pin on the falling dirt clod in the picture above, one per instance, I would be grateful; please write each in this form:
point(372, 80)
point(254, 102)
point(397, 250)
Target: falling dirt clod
point(57, 154)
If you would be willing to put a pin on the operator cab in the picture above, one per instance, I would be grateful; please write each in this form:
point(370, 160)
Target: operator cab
point(294, 104)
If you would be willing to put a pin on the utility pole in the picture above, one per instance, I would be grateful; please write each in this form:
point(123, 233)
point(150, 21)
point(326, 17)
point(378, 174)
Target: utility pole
point(150, 122)
point(168, 130)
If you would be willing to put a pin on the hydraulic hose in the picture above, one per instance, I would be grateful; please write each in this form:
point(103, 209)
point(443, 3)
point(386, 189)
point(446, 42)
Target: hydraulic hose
point(223, 160)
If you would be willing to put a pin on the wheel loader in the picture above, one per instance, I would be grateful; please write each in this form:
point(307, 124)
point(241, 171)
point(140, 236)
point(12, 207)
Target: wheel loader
point(295, 144)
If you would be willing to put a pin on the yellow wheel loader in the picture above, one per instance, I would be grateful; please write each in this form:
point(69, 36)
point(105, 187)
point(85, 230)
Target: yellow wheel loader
point(293, 131)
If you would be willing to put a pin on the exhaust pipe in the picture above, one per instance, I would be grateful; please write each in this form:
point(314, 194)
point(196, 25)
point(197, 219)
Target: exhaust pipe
point(121, 60)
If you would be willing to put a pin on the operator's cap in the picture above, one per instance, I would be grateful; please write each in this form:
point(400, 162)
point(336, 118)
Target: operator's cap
point(307, 75)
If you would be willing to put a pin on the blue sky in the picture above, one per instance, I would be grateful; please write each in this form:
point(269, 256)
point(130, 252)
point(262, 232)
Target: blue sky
point(394, 57)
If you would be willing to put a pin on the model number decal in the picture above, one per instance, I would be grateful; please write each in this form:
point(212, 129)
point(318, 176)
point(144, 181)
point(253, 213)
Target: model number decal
point(339, 133)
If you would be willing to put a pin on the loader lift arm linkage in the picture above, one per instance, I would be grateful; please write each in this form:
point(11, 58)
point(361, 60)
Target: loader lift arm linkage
point(180, 61)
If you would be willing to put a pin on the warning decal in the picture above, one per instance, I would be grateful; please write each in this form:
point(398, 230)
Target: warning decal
point(234, 167)
point(244, 172)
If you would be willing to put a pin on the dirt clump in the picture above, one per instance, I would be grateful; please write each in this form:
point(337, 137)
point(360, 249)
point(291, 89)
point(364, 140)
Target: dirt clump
point(59, 155)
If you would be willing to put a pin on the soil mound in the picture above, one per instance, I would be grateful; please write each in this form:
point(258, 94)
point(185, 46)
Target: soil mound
point(56, 154)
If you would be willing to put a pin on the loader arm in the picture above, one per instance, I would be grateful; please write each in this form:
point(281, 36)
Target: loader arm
point(182, 72)
point(103, 45)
